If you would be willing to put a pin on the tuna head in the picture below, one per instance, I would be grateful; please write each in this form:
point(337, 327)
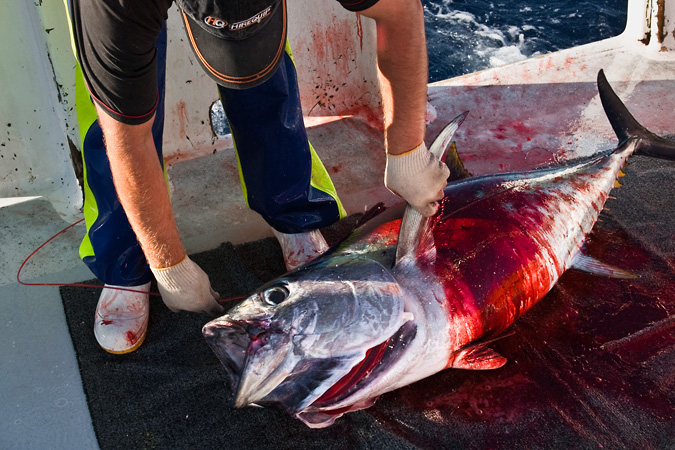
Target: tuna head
point(296, 337)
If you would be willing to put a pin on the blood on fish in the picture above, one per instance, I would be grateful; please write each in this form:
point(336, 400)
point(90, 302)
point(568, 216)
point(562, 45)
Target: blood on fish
point(592, 350)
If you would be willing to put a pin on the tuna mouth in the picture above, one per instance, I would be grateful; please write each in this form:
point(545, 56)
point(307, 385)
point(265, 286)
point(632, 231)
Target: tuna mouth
point(229, 341)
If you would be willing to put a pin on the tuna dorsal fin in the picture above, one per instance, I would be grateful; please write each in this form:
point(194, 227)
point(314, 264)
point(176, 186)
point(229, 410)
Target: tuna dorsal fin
point(415, 238)
point(452, 161)
point(478, 357)
point(588, 264)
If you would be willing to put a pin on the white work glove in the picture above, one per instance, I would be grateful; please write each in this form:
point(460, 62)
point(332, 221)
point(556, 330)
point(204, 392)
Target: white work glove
point(187, 287)
point(417, 176)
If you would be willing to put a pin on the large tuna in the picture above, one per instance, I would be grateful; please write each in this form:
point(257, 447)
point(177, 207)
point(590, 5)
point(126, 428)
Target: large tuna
point(368, 317)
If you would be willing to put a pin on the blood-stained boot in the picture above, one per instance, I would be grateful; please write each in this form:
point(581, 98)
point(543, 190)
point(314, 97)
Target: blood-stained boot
point(122, 318)
point(300, 248)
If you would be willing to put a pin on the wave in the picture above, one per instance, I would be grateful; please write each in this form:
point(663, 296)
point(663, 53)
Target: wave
point(464, 36)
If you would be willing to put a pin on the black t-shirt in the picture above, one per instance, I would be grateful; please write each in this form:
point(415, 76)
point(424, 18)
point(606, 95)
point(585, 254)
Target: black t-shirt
point(115, 41)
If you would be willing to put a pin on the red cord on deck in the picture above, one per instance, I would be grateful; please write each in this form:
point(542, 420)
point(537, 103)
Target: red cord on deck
point(97, 286)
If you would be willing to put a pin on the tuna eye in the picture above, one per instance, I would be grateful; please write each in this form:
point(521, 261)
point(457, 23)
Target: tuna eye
point(275, 295)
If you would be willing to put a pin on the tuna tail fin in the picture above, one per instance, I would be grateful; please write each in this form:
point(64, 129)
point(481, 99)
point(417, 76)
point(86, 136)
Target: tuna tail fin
point(625, 126)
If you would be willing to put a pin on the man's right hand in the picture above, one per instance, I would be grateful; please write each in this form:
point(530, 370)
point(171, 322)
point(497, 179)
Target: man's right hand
point(185, 286)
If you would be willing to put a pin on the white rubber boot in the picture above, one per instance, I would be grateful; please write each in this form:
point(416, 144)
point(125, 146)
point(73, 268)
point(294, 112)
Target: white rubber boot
point(300, 248)
point(122, 318)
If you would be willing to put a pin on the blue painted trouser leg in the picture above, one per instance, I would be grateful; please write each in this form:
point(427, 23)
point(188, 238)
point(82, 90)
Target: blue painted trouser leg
point(110, 248)
point(281, 175)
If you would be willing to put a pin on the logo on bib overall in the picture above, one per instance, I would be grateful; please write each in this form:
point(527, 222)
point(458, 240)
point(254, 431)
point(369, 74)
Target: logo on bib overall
point(215, 22)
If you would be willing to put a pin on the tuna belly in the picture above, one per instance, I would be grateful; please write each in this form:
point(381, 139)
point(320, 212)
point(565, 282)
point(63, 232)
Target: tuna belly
point(504, 241)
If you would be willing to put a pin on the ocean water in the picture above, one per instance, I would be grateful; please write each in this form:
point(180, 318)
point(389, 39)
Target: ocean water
point(465, 36)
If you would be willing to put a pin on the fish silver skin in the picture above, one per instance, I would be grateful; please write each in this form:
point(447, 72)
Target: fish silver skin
point(404, 297)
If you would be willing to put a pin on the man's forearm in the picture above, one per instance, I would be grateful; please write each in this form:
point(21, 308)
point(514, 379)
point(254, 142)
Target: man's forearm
point(402, 60)
point(141, 188)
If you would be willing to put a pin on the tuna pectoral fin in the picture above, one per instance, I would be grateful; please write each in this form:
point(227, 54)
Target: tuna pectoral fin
point(440, 145)
point(414, 238)
point(585, 263)
point(478, 358)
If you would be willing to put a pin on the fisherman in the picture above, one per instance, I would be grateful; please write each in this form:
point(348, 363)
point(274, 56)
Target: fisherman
point(242, 45)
